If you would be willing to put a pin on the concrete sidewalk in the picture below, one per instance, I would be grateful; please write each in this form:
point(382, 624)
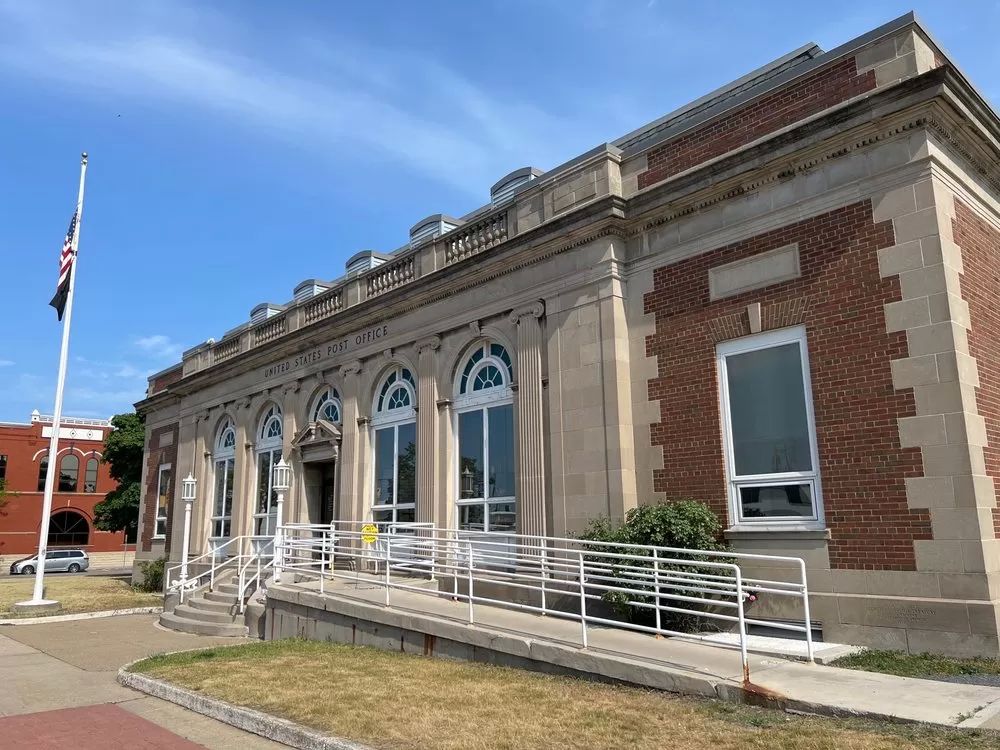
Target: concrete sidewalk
point(71, 667)
point(356, 612)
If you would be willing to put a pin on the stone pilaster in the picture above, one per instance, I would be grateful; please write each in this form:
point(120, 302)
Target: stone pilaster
point(427, 421)
point(530, 435)
point(349, 505)
point(186, 438)
point(244, 469)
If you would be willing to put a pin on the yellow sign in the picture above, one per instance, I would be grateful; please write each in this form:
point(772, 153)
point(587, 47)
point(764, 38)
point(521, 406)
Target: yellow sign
point(369, 533)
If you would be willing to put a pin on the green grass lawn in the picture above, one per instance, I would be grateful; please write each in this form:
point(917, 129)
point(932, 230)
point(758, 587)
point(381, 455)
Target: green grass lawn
point(77, 593)
point(393, 700)
point(918, 665)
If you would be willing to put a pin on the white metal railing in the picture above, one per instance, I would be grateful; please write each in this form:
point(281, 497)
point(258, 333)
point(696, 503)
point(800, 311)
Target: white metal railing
point(236, 554)
point(562, 577)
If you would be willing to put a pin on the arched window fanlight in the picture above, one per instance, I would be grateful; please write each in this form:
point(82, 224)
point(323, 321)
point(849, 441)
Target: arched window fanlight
point(271, 427)
point(398, 392)
point(487, 367)
point(226, 440)
point(327, 406)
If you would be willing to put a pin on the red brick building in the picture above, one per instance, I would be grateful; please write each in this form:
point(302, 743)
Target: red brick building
point(82, 482)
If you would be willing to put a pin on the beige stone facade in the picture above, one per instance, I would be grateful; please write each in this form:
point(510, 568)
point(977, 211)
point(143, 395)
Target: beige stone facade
point(586, 274)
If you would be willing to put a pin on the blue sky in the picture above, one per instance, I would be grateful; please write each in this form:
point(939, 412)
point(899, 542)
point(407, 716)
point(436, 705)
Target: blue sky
point(240, 147)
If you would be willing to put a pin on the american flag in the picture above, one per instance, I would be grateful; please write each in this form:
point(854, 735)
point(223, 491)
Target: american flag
point(65, 266)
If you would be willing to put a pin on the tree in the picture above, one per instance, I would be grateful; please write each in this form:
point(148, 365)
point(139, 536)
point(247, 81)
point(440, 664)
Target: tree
point(123, 452)
point(5, 494)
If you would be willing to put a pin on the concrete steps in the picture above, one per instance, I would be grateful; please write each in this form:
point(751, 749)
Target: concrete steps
point(213, 612)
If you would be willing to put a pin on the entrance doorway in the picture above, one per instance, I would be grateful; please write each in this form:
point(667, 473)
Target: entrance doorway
point(328, 492)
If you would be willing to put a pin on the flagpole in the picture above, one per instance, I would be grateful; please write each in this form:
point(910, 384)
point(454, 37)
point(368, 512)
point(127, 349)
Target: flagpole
point(50, 474)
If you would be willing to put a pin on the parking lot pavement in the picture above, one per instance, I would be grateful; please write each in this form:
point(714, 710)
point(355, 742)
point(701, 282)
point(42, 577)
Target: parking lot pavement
point(60, 689)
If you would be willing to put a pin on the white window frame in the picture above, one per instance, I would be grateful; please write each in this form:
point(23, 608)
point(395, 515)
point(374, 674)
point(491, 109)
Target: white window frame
point(329, 394)
point(225, 455)
point(273, 446)
point(481, 401)
point(157, 534)
point(768, 340)
point(392, 419)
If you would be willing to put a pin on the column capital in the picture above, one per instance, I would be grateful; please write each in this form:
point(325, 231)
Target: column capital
point(351, 368)
point(535, 309)
point(430, 343)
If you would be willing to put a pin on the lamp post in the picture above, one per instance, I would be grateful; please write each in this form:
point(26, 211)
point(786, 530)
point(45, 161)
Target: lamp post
point(189, 488)
point(282, 481)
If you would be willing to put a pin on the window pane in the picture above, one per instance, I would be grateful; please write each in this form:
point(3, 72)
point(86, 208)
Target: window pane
point(407, 475)
point(43, 468)
point(3, 468)
point(471, 517)
point(503, 517)
point(220, 487)
point(406, 515)
point(228, 510)
point(69, 468)
point(470, 451)
point(502, 451)
point(382, 516)
point(768, 411)
point(383, 465)
point(771, 502)
point(90, 478)
point(263, 481)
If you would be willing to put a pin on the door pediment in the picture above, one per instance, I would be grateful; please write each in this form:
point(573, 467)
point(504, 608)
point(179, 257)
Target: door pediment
point(318, 441)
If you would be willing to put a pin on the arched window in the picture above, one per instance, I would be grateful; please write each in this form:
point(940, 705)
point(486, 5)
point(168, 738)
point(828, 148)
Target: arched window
point(69, 471)
point(90, 476)
point(43, 469)
point(327, 406)
point(394, 421)
point(68, 528)
point(268, 454)
point(224, 461)
point(484, 411)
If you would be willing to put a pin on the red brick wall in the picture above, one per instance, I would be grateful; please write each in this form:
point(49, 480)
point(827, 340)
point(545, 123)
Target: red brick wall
point(801, 98)
point(155, 457)
point(165, 379)
point(839, 298)
point(980, 245)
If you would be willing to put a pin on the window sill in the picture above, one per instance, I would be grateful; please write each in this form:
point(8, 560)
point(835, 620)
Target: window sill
point(776, 531)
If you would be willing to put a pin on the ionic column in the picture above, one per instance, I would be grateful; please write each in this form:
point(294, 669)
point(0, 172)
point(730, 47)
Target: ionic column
point(530, 437)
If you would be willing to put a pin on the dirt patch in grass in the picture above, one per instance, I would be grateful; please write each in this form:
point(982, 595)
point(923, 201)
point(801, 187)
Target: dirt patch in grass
point(980, 670)
point(392, 700)
point(78, 593)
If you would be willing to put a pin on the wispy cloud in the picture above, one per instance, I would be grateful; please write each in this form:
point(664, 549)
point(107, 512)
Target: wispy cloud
point(7, 363)
point(159, 346)
point(397, 104)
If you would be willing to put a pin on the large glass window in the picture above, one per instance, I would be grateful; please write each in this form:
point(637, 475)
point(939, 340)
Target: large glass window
point(67, 528)
point(69, 472)
point(483, 402)
point(770, 434)
point(3, 468)
point(395, 428)
point(90, 476)
point(268, 454)
point(224, 460)
point(164, 485)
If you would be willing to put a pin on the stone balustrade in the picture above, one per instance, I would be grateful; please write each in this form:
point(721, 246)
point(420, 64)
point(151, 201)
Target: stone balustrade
point(270, 329)
point(391, 275)
point(226, 349)
point(323, 306)
point(475, 237)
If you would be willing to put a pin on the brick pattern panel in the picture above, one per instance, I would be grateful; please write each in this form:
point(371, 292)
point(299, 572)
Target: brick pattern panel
point(155, 457)
point(789, 104)
point(980, 245)
point(840, 299)
point(162, 382)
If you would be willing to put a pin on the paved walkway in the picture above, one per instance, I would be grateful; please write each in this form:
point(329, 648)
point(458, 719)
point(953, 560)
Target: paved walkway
point(59, 690)
point(668, 663)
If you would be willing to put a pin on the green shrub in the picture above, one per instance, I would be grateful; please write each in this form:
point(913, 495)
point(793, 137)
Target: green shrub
point(152, 575)
point(684, 524)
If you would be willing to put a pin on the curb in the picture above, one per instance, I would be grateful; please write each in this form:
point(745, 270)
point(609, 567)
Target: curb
point(249, 720)
point(81, 616)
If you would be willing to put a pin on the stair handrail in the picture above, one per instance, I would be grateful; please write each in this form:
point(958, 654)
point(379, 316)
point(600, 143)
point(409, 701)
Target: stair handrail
point(191, 582)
